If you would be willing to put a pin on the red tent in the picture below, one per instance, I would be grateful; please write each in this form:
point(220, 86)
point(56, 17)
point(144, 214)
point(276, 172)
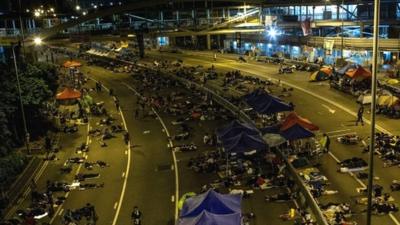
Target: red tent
point(68, 93)
point(359, 73)
point(293, 119)
point(72, 63)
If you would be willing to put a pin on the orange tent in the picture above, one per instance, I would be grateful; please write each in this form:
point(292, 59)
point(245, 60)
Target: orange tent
point(72, 63)
point(326, 70)
point(68, 93)
point(293, 119)
point(359, 73)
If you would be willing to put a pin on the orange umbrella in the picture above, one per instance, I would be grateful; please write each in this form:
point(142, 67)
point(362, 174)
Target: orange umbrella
point(68, 93)
point(359, 73)
point(72, 63)
point(293, 119)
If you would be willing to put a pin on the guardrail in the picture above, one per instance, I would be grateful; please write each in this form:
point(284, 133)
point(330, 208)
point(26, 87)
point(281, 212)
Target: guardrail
point(305, 193)
point(23, 181)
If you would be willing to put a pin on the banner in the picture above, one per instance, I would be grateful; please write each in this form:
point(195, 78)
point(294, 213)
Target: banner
point(328, 44)
point(306, 27)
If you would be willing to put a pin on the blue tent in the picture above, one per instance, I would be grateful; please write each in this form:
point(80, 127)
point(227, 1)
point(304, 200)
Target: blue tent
point(253, 95)
point(296, 132)
point(234, 128)
point(212, 202)
point(212, 219)
point(264, 103)
point(274, 105)
point(244, 142)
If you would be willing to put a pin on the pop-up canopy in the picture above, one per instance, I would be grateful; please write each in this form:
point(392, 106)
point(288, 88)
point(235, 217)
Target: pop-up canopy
point(264, 103)
point(68, 93)
point(234, 128)
point(207, 218)
point(293, 119)
point(244, 142)
point(212, 202)
point(71, 64)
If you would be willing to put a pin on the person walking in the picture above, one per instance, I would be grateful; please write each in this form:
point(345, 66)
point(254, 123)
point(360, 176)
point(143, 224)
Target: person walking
point(111, 92)
point(325, 142)
point(136, 114)
point(126, 137)
point(116, 101)
point(215, 56)
point(360, 115)
point(136, 216)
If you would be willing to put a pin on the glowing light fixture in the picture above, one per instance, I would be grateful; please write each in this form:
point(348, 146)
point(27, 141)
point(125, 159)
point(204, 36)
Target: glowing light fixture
point(37, 41)
point(77, 7)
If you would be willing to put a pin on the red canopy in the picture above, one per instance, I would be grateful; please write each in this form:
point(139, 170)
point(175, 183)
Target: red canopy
point(71, 63)
point(359, 73)
point(293, 119)
point(68, 93)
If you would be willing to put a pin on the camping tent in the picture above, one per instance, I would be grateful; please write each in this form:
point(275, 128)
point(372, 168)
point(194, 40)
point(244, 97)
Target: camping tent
point(68, 94)
point(212, 202)
point(212, 219)
point(244, 142)
point(234, 128)
point(293, 119)
point(322, 74)
point(264, 103)
point(359, 73)
point(388, 100)
point(71, 64)
point(347, 67)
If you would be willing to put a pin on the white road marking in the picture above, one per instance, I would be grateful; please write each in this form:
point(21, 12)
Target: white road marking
point(337, 131)
point(329, 109)
point(173, 152)
point(123, 174)
point(173, 198)
point(394, 219)
point(128, 165)
point(126, 152)
point(61, 211)
point(115, 205)
point(340, 135)
point(334, 157)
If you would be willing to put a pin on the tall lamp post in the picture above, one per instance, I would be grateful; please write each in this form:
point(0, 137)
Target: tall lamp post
point(373, 106)
point(37, 41)
point(342, 31)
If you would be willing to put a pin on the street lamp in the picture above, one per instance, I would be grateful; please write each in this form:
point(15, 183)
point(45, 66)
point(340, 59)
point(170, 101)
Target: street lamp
point(36, 41)
point(374, 71)
point(20, 100)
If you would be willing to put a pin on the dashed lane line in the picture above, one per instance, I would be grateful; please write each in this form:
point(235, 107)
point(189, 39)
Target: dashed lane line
point(170, 144)
point(128, 164)
point(60, 208)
